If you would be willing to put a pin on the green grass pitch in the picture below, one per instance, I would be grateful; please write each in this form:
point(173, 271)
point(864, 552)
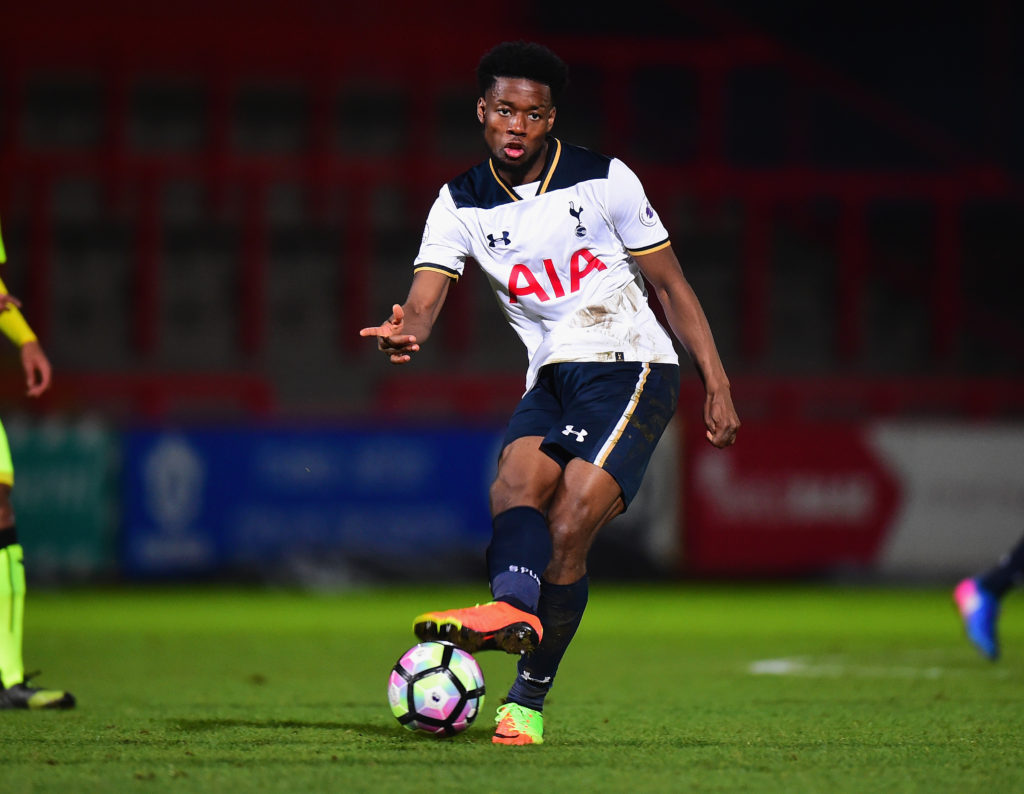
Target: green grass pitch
point(667, 688)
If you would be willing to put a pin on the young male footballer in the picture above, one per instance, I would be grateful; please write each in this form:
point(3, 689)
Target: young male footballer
point(567, 238)
point(15, 691)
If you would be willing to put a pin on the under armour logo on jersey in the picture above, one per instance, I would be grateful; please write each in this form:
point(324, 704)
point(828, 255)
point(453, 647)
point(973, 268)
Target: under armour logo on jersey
point(571, 431)
point(581, 230)
point(504, 238)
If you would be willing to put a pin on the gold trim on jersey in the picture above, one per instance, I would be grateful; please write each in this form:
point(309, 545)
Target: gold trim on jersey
point(545, 176)
point(437, 269)
point(649, 249)
point(504, 185)
point(551, 168)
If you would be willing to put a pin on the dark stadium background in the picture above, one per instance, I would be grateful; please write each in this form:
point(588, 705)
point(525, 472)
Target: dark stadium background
point(202, 203)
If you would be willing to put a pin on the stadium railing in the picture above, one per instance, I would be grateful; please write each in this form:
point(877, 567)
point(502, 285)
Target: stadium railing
point(430, 66)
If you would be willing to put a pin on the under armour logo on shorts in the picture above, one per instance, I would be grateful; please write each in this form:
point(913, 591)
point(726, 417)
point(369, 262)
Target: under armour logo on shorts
point(571, 431)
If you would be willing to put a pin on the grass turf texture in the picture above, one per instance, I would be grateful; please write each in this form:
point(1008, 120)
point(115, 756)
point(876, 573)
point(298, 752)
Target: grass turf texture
point(665, 689)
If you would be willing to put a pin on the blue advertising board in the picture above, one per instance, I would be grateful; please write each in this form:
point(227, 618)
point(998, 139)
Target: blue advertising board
point(393, 502)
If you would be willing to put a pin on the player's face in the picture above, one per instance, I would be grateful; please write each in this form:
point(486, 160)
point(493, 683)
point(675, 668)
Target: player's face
point(517, 115)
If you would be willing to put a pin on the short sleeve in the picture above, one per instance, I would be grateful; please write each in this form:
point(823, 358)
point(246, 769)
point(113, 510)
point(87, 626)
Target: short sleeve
point(443, 246)
point(636, 222)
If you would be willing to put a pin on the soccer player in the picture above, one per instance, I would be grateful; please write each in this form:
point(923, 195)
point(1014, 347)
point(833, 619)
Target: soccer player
point(566, 238)
point(978, 599)
point(15, 691)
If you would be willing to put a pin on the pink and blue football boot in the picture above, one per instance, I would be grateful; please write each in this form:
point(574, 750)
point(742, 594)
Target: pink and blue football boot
point(979, 610)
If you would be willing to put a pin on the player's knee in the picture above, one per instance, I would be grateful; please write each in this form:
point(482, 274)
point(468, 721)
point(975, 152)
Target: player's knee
point(502, 496)
point(569, 540)
point(507, 492)
point(6, 510)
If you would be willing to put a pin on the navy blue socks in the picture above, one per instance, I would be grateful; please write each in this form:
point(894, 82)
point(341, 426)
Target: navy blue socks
point(560, 611)
point(1009, 572)
point(519, 552)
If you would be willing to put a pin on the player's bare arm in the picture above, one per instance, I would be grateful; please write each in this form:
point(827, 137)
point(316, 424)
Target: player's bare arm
point(36, 365)
point(690, 325)
point(410, 324)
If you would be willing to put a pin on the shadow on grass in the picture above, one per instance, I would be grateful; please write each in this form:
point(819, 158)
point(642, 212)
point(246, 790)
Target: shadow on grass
point(217, 724)
point(387, 731)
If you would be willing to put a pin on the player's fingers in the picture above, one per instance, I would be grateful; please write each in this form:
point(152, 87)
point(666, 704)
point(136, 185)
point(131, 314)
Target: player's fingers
point(716, 440)
point(724, 435)
point(397, 313)
point(35, 383)
point(720, 432)
point(399, 351)
point(400, 342)
point(378, 330)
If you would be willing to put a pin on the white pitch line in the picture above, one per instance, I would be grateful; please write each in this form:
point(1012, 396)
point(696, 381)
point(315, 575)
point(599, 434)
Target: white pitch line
point(837, 666)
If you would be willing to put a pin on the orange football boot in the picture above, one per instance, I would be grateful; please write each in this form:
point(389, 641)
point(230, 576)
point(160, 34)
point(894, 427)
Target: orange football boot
point(485, 627)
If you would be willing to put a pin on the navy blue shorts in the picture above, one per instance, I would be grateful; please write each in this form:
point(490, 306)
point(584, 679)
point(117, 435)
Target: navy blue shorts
point(608, 413)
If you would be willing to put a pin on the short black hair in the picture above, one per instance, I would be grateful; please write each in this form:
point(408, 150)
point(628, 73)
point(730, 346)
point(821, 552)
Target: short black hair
point(523, 59)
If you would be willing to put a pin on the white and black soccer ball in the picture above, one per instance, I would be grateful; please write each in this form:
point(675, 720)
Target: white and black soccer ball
point(436, 688)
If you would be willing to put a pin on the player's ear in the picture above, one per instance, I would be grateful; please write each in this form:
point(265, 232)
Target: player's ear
point(480, 106)
point(551, 118)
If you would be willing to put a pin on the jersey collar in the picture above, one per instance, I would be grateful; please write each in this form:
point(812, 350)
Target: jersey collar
point(553, 156)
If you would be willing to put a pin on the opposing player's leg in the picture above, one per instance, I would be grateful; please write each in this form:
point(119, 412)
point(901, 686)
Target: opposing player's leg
point(519, 551)
point(978, 599)
point(15, 691)
point(979, 611)
point(12, 607)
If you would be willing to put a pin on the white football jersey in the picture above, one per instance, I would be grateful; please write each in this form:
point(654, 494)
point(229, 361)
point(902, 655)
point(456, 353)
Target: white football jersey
point(559, 255)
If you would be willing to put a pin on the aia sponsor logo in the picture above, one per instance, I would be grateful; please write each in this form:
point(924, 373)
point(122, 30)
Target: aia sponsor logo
point(546, 284)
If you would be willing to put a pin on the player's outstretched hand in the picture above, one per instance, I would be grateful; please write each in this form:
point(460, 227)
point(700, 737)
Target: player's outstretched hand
point(720, 418)
point(6, 300)
point(391, 340)
point(37, 368)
